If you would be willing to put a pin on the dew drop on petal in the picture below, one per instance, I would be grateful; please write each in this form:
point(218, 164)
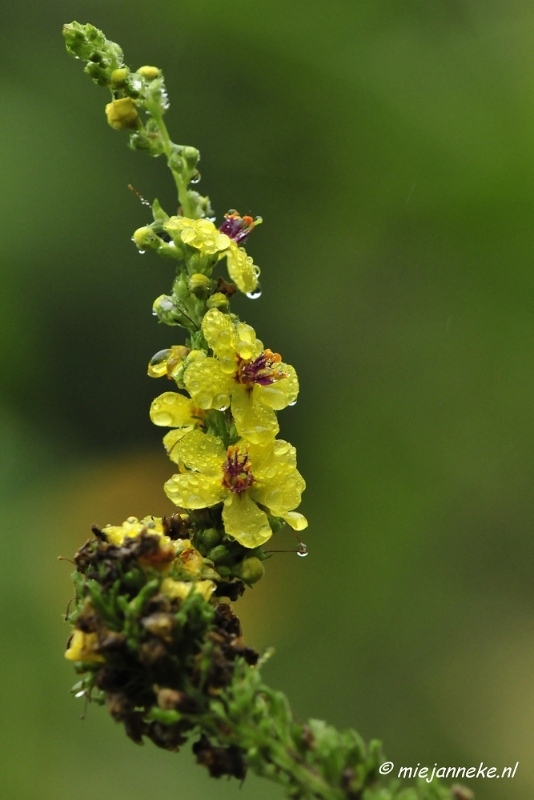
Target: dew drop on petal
point(162, 418)
point(80, 694)
point(255, 294)
point(294, 403)
point(141, 252)
point(302, 550)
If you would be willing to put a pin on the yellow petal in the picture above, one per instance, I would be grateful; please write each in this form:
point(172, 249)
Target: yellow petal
point(254, 421)
point(207, 384)
point(246, 340)
point(181, 589)
point(192, 490)
point(245, 521)
point(220, 333)
point(203, 452)
point(241, 268)
point(282, 393)
point(82, 647)
point(267, 459)
point(171, 410)
point(171, 441)
point(282, 492)
point(297, 521)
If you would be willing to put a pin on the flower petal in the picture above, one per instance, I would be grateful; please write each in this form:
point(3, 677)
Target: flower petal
point(246, 340)
point(219, 331)
point(241, 268)
point(281, 493)
point(171, 410)
point(192, 490)
point(254, 421)
point(245, 521)
point(171, 443)
point(297, 521)
point(203, 452)
point(282, 393)
point(207, 384)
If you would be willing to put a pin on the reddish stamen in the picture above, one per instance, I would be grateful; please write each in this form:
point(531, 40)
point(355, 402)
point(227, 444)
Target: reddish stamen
point(237, 475)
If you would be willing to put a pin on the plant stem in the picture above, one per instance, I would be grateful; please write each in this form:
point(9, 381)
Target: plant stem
point(181, 184)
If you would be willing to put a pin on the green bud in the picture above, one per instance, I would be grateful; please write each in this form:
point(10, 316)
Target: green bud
point(208, 539)
point(199, 284)
point(122, 113)
point(133, 85)
point(118, 76)
point(168, 312)
point(176, 162)
point(150, 73)
point(251, 570)
point(219, 301)
point(90, 44)
point(191, 156)
point(218, 553)
point(145, 238)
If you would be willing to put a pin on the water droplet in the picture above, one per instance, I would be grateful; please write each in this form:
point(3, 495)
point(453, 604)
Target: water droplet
point(132, 520)
point(254, 295)
point(294, 403)
point(224, 337)
point(302, 550)
point(170, 399)
point(162, 418)
point(151, 525)
point(141, 252)
point(80, 694)
point(221, 401)
point(196, 178)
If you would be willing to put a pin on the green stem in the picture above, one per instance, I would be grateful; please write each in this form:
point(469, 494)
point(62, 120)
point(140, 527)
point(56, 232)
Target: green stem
point(181, 184)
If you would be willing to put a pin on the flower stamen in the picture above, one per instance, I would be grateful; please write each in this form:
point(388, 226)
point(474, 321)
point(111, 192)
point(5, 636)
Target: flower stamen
point(237, 227)
point(237, 475)
point(262, 370)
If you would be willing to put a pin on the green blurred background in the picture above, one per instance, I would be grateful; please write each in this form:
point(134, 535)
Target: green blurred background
point(390, 149)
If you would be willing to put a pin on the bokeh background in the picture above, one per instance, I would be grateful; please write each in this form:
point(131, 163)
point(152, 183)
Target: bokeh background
point(390, 149)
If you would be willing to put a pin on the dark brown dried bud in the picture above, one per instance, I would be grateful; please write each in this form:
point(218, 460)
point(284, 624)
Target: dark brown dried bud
point(220, 760)
point(152, 652)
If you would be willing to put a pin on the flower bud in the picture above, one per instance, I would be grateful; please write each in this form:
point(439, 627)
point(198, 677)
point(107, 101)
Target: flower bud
point(145, 237)
point(251, 570)
point(191, 155)
point(208, 539)
point(218, 553)
point(122, 113)
point(150, 73)
point(219, 301)
point(198, 283)
point(118, 76)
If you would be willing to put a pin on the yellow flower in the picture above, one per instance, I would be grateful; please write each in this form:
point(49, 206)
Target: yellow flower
point(244, 477)
point(116, 534)
point(173, 410)
point(181, 589)
point(170, 362)
point(83, 647)
point(254, 381)
point(122, 113)
point(206, 237)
